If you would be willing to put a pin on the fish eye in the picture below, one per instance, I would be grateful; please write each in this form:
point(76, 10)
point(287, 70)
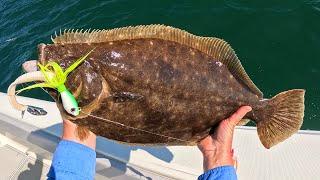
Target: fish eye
point(73, 109)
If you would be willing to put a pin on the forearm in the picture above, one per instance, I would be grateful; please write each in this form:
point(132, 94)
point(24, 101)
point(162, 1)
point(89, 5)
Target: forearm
point(216, 157)
point(73, 158)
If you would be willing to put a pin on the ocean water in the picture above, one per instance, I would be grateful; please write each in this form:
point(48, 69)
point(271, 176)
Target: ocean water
point(278, 43)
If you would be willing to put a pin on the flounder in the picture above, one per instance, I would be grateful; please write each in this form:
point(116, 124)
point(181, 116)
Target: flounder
point(157, 84)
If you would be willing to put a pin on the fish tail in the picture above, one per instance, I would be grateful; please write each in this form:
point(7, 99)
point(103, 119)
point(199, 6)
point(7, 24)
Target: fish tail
point(281, 117)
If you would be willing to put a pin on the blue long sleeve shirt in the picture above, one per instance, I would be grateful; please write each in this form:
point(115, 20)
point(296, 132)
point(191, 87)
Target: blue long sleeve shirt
point(219, 173)
point(74, 161)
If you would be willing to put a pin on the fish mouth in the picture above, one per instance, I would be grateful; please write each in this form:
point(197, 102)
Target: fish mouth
point(32, 65)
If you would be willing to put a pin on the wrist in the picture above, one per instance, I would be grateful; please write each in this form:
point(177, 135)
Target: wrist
point(69, 130)
point(213, 159)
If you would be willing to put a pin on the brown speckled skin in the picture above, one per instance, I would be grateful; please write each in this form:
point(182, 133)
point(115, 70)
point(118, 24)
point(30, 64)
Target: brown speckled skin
point(182, 91)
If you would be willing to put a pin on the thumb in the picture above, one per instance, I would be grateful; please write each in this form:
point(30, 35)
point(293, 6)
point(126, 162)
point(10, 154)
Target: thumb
point(238, 115)
point(230, 123)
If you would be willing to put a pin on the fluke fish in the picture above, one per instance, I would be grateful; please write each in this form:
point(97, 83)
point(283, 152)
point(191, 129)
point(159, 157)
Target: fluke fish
point(157, 84)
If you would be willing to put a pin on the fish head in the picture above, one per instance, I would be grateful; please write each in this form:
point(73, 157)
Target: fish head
point(85, 82)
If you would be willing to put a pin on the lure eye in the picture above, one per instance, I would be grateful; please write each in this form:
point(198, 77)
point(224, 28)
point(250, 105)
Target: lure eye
point(73, 109)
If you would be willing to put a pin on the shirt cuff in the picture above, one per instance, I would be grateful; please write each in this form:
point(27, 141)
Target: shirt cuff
point(221, 173)
point(72, 160)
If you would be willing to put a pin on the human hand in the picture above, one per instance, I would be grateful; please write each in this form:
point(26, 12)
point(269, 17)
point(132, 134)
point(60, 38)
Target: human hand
point(217, 148)
point(69, 133)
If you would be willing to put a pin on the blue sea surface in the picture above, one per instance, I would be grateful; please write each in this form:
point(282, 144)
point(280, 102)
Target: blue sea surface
point(278, 42)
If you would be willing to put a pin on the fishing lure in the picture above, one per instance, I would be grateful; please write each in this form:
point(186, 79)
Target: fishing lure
point(55, 77)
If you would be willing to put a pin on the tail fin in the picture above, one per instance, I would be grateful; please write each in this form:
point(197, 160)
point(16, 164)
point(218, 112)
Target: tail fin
point(282, 117)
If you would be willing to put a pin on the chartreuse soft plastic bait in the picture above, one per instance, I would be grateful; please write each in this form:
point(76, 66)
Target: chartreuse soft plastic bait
point(55, 78)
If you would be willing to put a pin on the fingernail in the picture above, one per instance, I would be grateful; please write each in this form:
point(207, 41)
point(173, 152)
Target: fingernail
point(248, 108)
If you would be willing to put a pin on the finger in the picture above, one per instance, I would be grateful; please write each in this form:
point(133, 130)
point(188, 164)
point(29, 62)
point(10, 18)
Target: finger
point(238, 115)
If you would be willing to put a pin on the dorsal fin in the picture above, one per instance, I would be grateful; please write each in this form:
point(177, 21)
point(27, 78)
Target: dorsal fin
point(214, 47)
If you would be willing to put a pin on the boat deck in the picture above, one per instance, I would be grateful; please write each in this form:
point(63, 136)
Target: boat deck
point(26, 147)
